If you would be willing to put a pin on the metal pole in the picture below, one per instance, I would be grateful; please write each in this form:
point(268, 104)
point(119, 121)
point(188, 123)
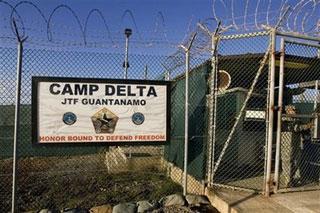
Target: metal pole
point(279, 115)
point(212, 106)
point(271, 114)
point(186, 115)
point(128, 33)
point(16, 124)
point(297, 35)
point(186, 124)
point(126, 59)
point(316, 97)
point(211, 101)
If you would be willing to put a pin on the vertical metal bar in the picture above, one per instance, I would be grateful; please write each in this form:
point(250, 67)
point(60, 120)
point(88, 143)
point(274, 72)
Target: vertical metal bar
point(316, 98)
point(127, 33)
point(215, 100)
point(266, 126)
point(268, 181)
point(16, 125)
point(186, 114)
point(126, 58)
point(186, 124)
point(279, 115)
point(212, 111)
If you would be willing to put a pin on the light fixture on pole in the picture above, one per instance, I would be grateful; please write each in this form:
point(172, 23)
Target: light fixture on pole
point(128, 33)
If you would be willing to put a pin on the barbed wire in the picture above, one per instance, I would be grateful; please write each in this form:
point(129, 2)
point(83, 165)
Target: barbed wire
point(159, 26)
point(303, 17)
point(301, 13)
point(292, 20)
point(298, 20)
point(95, 33)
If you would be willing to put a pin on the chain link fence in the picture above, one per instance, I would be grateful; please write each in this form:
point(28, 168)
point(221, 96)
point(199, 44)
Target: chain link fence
point(197, 154)
point(62, 176)
point(240, 118)
point(8, 57)
point(299, 155)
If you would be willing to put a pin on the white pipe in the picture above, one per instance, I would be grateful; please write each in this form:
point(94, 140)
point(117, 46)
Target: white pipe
point(186, 124)
point(316, 97)
point(16, 125)
point(215, 99)
point(211, 122)
point(297, 35)
point(279, 115)
point(268, 181)
point(212, 103)
point(186, 114)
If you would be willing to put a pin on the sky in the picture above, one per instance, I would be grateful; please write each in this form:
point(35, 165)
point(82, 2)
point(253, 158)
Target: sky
point(159, 26)
point(149, 16)
point(154, 22)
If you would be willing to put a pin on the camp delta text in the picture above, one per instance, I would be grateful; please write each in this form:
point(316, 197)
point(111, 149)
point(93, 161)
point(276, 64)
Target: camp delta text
point(112, 93)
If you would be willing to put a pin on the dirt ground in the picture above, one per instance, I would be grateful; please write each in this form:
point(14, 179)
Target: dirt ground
point(40, 186)
point(86, 181)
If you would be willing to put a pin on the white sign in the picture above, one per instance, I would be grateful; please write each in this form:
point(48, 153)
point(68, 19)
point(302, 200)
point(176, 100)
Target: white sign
point(255, 115)
point(68, 110)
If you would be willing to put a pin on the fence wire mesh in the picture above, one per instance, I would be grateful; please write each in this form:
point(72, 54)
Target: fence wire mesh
point(64, 176)
point(8, 62)
point(197, 158)
point(88, 175)
point(239, 145)
point(299, 161)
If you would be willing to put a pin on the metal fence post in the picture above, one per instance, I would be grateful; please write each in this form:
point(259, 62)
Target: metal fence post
point(315, 108)
point(186, 114)
point(186, 124)
point(268, 181)
point(279, 115)
point(212, 108)
point(316, 99)
point(16, 117)
point(212, 99)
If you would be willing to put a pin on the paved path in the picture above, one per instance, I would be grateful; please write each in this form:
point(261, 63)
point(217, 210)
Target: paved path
point(230, 201)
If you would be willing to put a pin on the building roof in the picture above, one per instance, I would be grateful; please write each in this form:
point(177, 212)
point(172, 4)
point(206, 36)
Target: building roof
point(243, 68)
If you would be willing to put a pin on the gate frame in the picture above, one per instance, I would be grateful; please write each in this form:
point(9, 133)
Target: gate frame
point(271, 32)
point(271, 183)
point(305, 41)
